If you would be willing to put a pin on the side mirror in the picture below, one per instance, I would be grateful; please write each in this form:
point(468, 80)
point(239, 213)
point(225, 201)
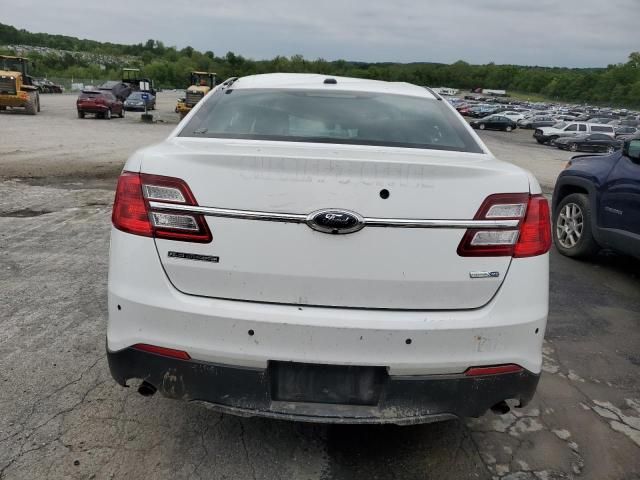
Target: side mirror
point(632, 149)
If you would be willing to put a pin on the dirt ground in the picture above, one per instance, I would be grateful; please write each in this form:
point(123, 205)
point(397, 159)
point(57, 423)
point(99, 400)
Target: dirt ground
point(62, 416)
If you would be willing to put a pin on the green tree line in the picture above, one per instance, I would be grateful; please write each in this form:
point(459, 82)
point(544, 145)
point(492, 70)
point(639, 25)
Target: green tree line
point(617, 84)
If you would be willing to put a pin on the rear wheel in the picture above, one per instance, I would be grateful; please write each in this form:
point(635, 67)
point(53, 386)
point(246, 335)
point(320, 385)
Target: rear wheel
point(31, 106)
point(80, 114)
point(122, 113)
point(38, 100)
point(482, 126)
point(107, 115)
point(572, 232)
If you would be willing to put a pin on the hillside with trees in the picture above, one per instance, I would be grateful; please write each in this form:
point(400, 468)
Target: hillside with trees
point(64, 56)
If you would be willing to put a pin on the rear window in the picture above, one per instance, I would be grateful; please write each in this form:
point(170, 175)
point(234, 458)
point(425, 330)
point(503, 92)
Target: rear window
point(331, 117)
point(598, 128)
point(90, 94)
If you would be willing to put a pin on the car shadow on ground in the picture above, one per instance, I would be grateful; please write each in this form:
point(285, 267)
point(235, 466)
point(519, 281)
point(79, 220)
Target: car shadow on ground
point(437, 450)
point(610, 262)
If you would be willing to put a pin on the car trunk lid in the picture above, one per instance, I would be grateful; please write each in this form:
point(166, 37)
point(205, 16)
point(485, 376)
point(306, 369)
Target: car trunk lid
point(287, 262)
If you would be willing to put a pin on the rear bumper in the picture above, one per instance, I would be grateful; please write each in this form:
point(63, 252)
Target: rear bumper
point(249, 391)
point(144, 307)
point(93, 108)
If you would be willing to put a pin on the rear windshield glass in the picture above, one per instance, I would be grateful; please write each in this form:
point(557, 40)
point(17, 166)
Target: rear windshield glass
point(90, 94)
point(331, 117)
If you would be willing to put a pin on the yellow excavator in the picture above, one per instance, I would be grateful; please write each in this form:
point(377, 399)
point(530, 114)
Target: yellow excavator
point(16, 85)
point(200, 84)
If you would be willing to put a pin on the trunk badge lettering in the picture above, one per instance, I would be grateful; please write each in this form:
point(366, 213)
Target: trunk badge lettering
point(193, 256)
point(484, 274)
point(335, 221)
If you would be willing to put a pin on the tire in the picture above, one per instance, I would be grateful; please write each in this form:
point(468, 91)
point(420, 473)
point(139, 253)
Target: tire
point(509, 128)
point(541, 142)
point(611, 149)
point(482, 127)
point(107, 115)
point(552, 139)
point(31, 106)
point(80, 114)
point(38, 99)
point(122, 113)
point(572, 222)
point(573, 147)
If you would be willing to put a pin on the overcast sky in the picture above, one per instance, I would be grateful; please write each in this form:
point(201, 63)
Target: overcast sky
point(575, 33)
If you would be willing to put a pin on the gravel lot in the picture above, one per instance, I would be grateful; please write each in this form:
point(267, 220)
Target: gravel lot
point(62, 416)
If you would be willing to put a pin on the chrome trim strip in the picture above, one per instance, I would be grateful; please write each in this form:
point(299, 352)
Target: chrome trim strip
point(299, 218)
point(230, 213)
point(416, 223)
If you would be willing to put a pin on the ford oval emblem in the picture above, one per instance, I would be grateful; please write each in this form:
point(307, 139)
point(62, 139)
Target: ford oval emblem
point(335, 221)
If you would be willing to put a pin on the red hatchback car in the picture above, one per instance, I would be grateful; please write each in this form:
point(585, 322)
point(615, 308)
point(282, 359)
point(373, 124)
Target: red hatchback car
point(99, 102)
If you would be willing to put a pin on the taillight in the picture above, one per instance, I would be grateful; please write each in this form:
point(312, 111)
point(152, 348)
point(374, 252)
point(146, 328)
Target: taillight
point(532, 235)
point(131, 212)
point(535, 232)
point(129, 207)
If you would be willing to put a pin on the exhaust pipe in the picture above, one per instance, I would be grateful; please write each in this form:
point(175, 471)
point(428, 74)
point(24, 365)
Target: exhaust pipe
point(501, 408)
point(146, 389)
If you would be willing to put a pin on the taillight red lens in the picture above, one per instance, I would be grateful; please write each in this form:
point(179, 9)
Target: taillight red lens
point(131, 212)
point(129, 207)
point(535, 232)
point(532, 236)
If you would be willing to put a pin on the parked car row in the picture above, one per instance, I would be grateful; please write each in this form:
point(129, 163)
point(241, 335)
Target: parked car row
point(103, 103)
point(47, 86)
point(550, 122)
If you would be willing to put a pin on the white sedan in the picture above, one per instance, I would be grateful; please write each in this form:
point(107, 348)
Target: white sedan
point(511, 115)
point(328, 249)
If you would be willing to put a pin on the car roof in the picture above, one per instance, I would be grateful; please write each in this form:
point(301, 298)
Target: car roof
point(304, 81)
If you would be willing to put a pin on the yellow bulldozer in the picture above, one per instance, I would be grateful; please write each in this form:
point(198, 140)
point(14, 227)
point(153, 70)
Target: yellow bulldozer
point(200, 84)
point(16, 85)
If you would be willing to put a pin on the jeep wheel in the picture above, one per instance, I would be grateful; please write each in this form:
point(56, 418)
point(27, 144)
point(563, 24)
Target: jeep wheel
point(572, 233)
